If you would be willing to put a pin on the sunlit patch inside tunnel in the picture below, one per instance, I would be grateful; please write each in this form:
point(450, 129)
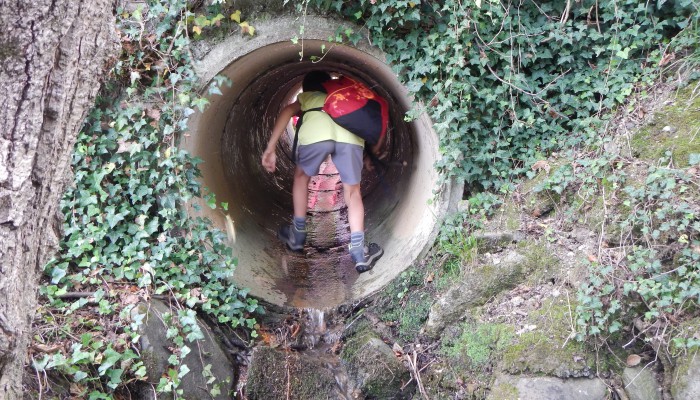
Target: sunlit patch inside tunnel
point(403, 202)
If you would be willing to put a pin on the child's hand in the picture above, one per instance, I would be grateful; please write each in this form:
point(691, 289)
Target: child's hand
point(269, 160)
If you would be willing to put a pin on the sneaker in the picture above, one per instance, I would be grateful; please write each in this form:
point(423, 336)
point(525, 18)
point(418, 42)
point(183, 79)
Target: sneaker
point(365, 257)
point(293, 238)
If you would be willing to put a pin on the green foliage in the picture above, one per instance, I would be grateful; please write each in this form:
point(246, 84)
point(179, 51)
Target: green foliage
point(507, 83)
point(476, 345)
point(127, 233)
point(408, 304)
point(455, 237)
point(658, 280)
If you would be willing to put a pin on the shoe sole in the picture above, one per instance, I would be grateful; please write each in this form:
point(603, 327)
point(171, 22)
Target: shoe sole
point(370, 263)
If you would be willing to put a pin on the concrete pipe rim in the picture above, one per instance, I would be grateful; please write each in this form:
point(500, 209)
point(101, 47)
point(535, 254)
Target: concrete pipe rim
point(230, 134)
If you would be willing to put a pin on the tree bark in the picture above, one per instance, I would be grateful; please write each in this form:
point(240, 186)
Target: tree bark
point(53, 54)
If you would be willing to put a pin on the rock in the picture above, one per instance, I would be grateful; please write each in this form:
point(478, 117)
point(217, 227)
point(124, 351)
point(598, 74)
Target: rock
point(279, 374)
point(547, 349)
point(640, 384)
point(513, 387)
point(482, 284)
point(495, 241)
point(686, 385)
point(669, 129)
point(374, 369)
point(581, 235)
point(205, 361)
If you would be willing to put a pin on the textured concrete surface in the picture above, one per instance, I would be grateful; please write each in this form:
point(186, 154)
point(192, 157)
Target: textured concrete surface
point(231, 133)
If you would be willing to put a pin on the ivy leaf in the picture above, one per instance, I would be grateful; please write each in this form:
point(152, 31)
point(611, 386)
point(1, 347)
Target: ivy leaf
point(236, 16)
point(135, 76)
point(246, 28)
point(624, 53)
point(694, 159)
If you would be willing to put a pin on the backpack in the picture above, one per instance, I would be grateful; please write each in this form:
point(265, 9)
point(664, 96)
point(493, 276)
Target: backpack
point(353, 106)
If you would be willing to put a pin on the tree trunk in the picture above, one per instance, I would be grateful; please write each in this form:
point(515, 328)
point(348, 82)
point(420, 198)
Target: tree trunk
point(53, 54)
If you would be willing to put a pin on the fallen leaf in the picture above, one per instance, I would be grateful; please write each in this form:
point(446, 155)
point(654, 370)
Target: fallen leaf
point(398, 350)
point(197, 29)
point(295, 329)
point(430, 278)
point(541, 165)
point(46, 348)
point(130, 299)
point(667, 58)
point(153, 113)
point(633, 360)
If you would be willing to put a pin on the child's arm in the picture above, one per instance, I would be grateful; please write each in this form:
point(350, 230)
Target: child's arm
point(269, 157)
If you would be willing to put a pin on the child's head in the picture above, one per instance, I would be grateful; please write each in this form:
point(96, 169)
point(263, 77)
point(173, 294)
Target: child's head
point(313, 81)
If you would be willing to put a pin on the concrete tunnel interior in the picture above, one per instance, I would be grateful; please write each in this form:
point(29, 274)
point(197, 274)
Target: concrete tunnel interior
point(402, 208)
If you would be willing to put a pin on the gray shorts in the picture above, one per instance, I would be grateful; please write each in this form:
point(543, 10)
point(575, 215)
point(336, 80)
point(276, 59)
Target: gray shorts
point(346, 157)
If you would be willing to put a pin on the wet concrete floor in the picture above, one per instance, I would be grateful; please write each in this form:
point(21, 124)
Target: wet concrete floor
point(322, 275)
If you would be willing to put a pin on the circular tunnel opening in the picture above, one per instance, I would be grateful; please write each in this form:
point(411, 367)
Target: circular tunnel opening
point(403, 203)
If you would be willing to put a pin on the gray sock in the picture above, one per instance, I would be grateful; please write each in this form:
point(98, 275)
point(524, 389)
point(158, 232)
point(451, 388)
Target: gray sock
point(299, 223)
point(357, 239)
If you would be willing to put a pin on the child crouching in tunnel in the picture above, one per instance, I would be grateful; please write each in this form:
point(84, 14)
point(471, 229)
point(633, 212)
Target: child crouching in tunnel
point(319, 136)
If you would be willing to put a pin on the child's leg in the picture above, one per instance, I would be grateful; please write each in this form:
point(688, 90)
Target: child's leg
point(294, 235)
point(348, 159)
point(356, 209)
point(300, 193)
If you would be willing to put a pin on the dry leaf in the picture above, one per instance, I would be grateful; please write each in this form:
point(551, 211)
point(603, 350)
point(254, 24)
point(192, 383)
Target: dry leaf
point(398, 350)
point(130, 299)
point(430, 278)
point(667, 58)
point(633, 360)
point(46, 348)
point(541, 164)
point(153, 113)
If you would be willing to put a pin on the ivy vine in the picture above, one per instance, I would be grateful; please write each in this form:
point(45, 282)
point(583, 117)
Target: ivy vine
point(128, 235)
point(507, 83)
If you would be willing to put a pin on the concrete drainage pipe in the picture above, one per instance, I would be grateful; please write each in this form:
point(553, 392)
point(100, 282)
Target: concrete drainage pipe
point(402, 209)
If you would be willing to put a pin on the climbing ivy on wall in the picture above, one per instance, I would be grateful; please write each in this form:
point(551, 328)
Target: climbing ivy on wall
point(506, 82)
point(127, 235)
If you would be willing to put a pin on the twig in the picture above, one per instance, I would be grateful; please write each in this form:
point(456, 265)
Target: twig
point(412, 359)
point(602, 224)
point(565, 14)
point(38, 379)
point(571, 321)
point(286, 365)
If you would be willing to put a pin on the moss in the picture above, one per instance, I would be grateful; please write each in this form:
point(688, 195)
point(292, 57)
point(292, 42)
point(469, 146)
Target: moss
point(548, 349)
point(685, 337)
point(374, 367)
point(360, 333)
point(507, 217)
point(504, 391)
point(540, 263)
point(477, 345)
point(652, 142)
point(273, 372)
